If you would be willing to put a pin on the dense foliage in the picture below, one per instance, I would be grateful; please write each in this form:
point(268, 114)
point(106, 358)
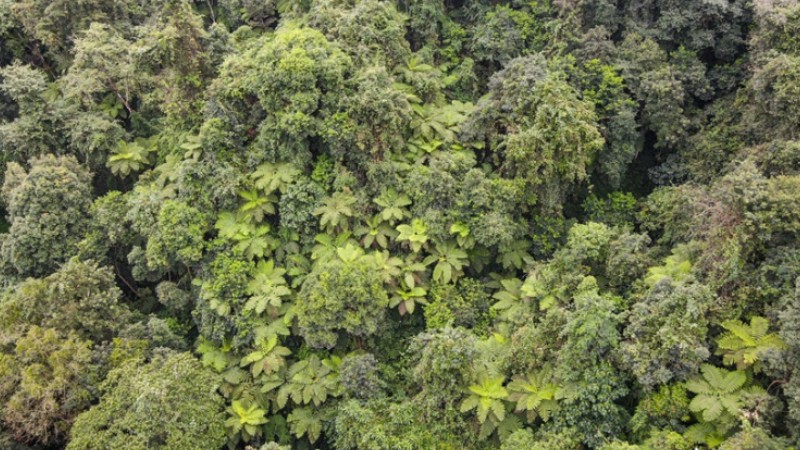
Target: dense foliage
point(410, 224)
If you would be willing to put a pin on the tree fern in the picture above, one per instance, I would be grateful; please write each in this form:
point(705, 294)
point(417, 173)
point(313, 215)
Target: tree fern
point(504, 429)
point(393, 206)
point(744, 345)
point(336, 212)
point(432, 122)
point(267, 287)
point(308, 381)
point(512, 305)
point(718, 392)
point(256, 205)
point(537, 286)
point(515, 255)
point(129, 157)
point(305, 421)
point(676, 267)
point(706, 433)
point(412, 66)
point(450, 261)
point(193, 147)
point(535, 394)
point(271, 177)
point(486, 398)
point(267, 359)
point(246, 419)
point(415, 234)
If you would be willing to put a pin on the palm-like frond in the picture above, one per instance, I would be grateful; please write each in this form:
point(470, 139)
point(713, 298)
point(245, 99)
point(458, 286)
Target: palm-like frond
point(415, 234)
point(512, 304)
point(718, 391)
point(487, 398)
point(393, 206)
point(129, 157)
point(744, 345)
point(305, 421)
point(450, 261)
point(267, 287)
point(271, 177)
point(268, 358)
point(246, 418)
point(308, 381)
point(256, 206)
point(335, 211)
point(676, 267)
point(536, 394)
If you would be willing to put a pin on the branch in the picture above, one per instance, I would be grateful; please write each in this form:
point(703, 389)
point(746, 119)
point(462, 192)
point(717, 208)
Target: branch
point(211, 8)
point(124, 280)
point(776, 382)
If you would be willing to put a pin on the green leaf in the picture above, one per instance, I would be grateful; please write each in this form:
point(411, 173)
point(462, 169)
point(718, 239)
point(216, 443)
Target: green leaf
point(214, 357)
point(676, 267)
point(271, 177)
point(350, 253)
point(744, 345)
point(415, 234)
point(228, 225)
point(267, 287)
point(129, 157)
point(535, 394)
point(336, 211)
point(246, 418)
point(267, 359)
point(486, 398)
point(309, 381)
point(450, 260)
point(257, 206)
point(193, 146)
point(305, 421)
point(393, 205)
point(718, 392)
